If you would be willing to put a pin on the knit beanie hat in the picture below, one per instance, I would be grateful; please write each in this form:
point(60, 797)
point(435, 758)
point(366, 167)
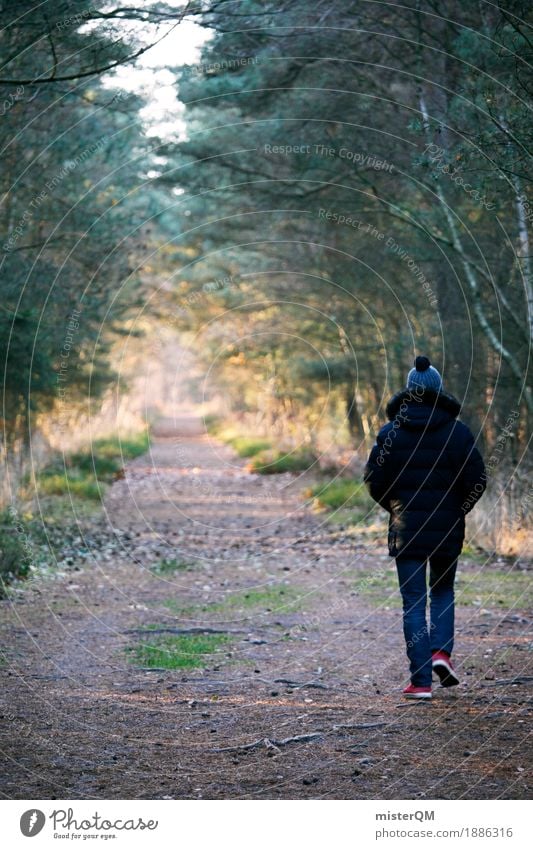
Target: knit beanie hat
point(424, 375)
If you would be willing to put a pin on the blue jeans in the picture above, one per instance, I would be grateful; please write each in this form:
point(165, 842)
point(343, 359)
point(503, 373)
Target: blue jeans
point(420, 644)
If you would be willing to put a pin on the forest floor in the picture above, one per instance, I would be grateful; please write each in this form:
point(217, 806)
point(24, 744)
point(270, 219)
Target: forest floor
point(284, 631)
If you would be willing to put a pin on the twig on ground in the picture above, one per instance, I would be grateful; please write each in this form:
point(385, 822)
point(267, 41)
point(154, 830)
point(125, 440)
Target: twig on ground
point(301, 684)
point(270, 743)
point(520, 679)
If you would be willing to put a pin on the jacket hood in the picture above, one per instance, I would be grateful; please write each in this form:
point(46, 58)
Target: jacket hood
point(421, 408)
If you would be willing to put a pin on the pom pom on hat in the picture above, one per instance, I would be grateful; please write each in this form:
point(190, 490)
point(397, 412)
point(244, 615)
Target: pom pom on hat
point(422, 363)
point(424, 375)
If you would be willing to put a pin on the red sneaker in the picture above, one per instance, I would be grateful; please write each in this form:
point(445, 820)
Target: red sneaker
point(443, 666)
point(412, 692)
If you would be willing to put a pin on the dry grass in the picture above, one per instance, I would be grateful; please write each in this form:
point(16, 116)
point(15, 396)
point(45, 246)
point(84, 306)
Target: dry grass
point(502, 521)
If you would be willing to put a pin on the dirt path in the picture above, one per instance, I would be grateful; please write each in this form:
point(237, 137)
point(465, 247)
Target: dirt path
point(306, 656)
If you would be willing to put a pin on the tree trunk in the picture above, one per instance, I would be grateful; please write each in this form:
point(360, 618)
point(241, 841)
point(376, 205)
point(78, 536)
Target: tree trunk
point(355, 423)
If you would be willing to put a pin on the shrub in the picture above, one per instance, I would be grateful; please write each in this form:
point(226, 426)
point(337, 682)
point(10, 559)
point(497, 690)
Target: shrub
point(248, 446)
point(91, 463)
point(126, 449)
point(341, 493)
point(15, 547)
point(83, 473)
point(66, 483)
point(278, 462)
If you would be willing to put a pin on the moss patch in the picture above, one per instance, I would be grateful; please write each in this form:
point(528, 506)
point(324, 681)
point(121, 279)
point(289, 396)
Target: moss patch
point(183, 651)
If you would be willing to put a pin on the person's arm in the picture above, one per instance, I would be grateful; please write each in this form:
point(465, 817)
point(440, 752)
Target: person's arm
point(376, 473)
point(473, 475)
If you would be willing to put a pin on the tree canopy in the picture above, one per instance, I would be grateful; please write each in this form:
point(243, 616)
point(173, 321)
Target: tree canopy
point(362, 173)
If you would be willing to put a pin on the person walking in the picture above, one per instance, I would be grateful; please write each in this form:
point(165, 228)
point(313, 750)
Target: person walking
point(426, 471)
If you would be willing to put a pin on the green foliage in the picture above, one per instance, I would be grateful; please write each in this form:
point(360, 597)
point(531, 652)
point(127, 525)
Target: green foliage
point(29, 381)
point(184, 651)
point(246, 446)
point(15, 547)
point(83, 474)
point(71, 483)
point(375, 212)
point(68, 477)
point(126, 448)
point(53, 517)
point(341, 493)
point(90, 462)
point(277, 462)
point(67, 204)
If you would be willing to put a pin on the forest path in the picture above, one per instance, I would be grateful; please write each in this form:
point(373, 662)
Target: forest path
point(302, 653)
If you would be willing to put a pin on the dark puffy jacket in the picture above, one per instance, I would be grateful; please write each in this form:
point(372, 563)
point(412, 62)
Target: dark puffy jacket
point(426, 471)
